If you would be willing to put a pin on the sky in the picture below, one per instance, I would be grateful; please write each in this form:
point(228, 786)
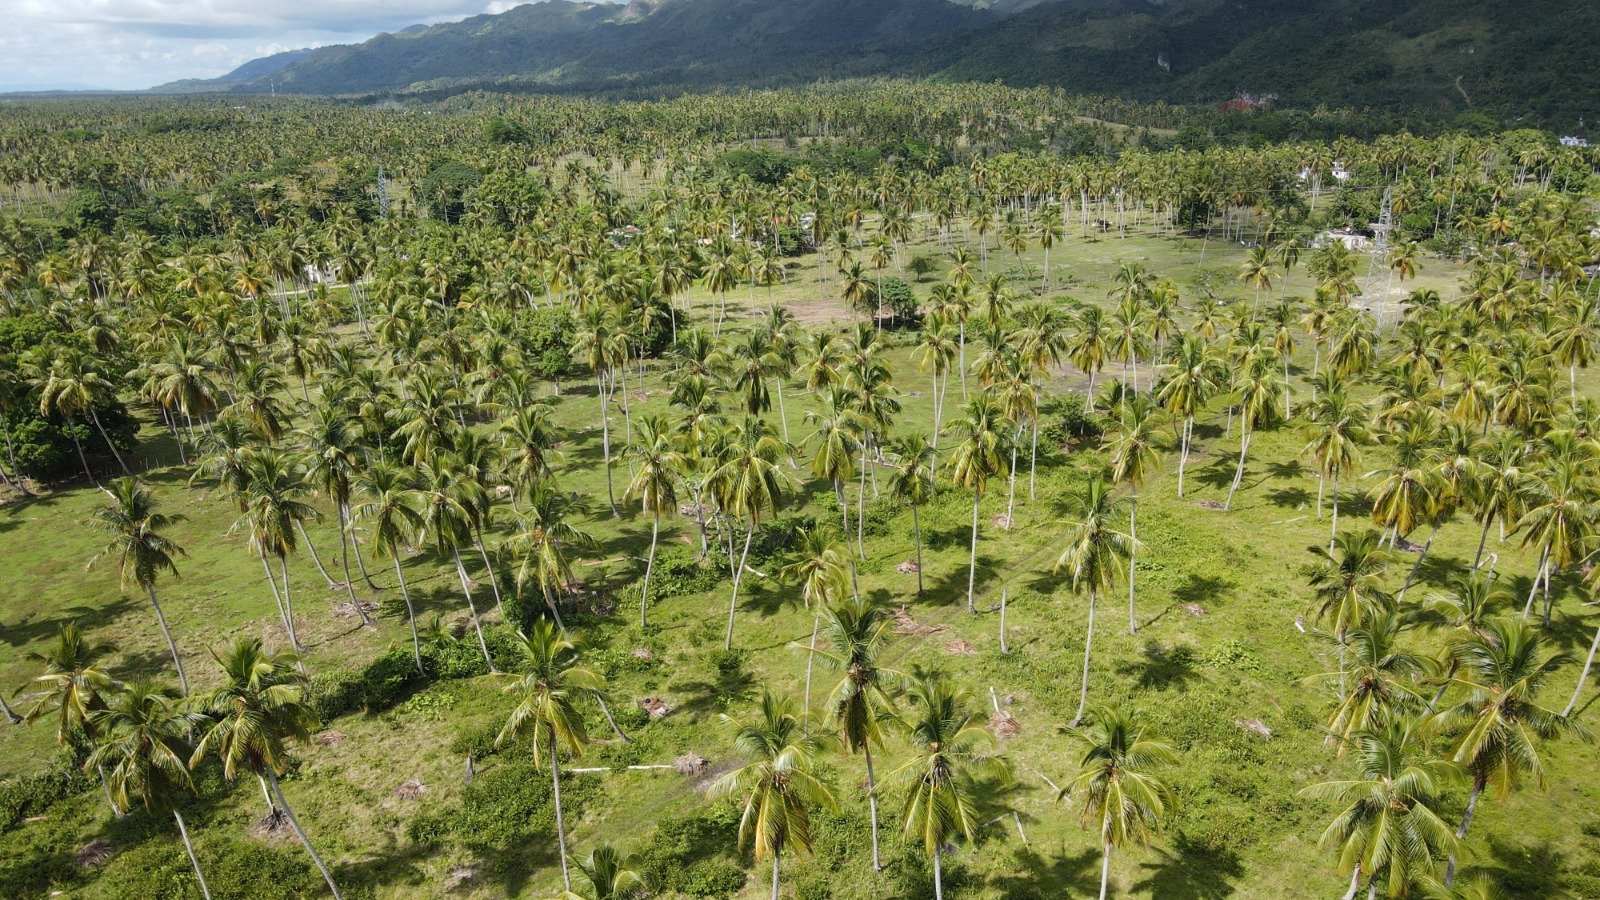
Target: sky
point(136, 44)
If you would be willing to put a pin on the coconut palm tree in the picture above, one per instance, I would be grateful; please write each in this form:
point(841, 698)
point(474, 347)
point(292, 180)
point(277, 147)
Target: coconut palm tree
point(445, 501)
point(1255, 391)
point(140, 548)
point(1196, 371)
point(73, 688)
point(914, 464)
point(817, 566)
point(1497, 726)
point(273, 512)
point(949, 755)
point(143, 752)
point(979, 457)
point(778, 786)
point(71, 385)
point(548, 691)
point(607, 875)
point(391, 511)
point(1336, 429)
point(747, 485)
point(1122, 797)
point(655, 483)
point(858, 632)
point(1134, 458)
point(1347, 585)
point(1093, 554)
point(258, 709)
point(1388, 829)
point(1376, 677)
point(541, 540)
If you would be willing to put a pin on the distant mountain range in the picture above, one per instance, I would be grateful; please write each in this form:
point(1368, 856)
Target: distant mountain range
point(1532, 58)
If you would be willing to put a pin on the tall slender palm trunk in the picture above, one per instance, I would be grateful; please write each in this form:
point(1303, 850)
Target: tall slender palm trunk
point(166, 632)
point(938, 874)
point(1583, 678)
point(461, 573)
point(1183, 453)
point(1245, 434)
point(315, 557)
point(649, 566)
point(916, 527)
point(205, 890)
point(411, 613)
point(107, 438)
point(1133, 557)
point(1461, 833)
point(605, 444)
point(972, 564)
point(872, 807)
point(344, 561)
point(561, 825)
point(1105, 871)
point(294, 823)
point(738, 576)
point(1088, 642)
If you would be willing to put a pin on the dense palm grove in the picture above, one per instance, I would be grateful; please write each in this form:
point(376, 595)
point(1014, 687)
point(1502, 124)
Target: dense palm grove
point(366, 323)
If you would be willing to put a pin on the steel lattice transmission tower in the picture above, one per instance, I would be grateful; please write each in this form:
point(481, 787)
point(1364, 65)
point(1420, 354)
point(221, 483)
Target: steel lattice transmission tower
point(1378, 266)
point(383, 195)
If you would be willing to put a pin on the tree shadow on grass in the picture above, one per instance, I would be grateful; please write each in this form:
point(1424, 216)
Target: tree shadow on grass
point(702, 697)
point(1162, 667)
point(1293, 497)
point(1188, 870)
point(1203, 589)
point(88, 618)
point(1034, 875)
point(1525, 870)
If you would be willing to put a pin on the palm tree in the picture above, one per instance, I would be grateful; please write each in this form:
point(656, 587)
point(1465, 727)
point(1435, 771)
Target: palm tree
point(914, 464)
point(1375, 676)
point(541, 539)
point(73, 686)
point(1134, 459)
point(260, 707)
point(143, 752)
point(817, 566)
point(949, 755)
point(608, 875)
point(141, 550)
point(272, 511)
point(858, 633)
point(547, 691)
point(1196, 372)
point(979, 457)
point(655, 484)
point(1347, 585)
point(1388, 829)
point(779, 785)
point(1255, 390)
point(1498, 724)
point(1093, 554)
point(1122, 797)
point(747, 485)
point(1336, 428)
point(391, 508)
point(71, 385)
point(446, 500)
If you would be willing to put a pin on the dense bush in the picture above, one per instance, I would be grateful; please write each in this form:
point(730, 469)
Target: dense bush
point(31, 795)
point(509, 805)
point(693, 853)
point(1073, 423)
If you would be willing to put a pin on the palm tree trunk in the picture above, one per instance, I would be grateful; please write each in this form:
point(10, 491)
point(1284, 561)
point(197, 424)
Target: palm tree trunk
point(1105, 871)
point(107, 438)
point(1412, 576)
point(78, 445)
point(1183, 453)
point(1483, 539)
point(166, 632)
point(561, 826)
point(916, 527)
point(288, 623)
point(344, 561)
point(1004, 596)
point(461, 573)
point(1033, 460)
point(1238, 475)
point(972, 565)
point(1133, 557)
point(1011, 497)
point(11, 455)
point(605, 443)
point(411, 614)
point(649, 564)
point(1333, 533)
point(1541, 572)
point(938, 874)
point(605, 710)
point(872, 807)
point(783, 417)
point(1088, 641)
point(294, 823)
point(1461, 833)
point(494, 581)
point(355, 549)
point(1355, 884)
point(738, 576)
point(1583, 678)
point(776, 852)
point(861, 506)
point(314, 557)
point(10, 714)
point(205, 891)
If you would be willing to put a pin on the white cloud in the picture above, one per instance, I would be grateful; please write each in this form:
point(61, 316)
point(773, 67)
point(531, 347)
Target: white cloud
point(133, 44)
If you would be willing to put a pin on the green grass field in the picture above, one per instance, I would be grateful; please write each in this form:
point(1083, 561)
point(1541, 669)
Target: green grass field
point(1217, 662)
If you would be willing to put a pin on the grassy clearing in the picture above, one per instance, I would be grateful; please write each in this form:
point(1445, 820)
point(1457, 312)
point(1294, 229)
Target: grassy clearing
point(1216, 655)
